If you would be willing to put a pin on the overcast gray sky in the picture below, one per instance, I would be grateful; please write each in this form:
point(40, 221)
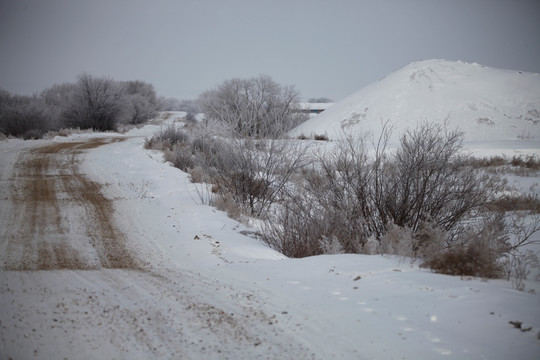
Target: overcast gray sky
point(324, 48)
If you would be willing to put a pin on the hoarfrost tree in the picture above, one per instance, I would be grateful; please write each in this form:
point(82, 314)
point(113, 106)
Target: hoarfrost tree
point(140, 102)
point(57, 98)
point(95, 104)
point(255, 107)
point(24, 116)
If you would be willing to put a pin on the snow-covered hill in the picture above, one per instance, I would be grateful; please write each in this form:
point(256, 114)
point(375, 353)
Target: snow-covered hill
point(488, 104)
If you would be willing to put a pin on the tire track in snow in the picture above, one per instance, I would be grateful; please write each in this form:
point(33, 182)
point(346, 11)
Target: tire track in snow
point(59, 218)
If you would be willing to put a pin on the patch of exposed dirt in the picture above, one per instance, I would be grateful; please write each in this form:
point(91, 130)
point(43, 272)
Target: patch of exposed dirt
point(60, 218)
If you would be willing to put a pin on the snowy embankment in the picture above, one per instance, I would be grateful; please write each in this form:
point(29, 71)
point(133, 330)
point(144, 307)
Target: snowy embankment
point(338, 306)
point(488, 104)
point(211, 292)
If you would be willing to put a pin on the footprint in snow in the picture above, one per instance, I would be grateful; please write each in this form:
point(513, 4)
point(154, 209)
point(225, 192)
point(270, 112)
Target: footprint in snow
point(337, 293)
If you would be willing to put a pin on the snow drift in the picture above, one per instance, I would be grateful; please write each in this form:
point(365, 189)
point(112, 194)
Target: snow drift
point(488, 104)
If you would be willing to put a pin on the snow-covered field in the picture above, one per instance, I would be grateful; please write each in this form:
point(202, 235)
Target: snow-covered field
point(207, 290)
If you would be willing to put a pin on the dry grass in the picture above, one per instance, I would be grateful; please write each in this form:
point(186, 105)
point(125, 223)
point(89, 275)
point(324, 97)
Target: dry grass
point(225, 202)
point(197, 174)
point(518, 165)
point(464, 261)
point(165, 115)
point(517, 203)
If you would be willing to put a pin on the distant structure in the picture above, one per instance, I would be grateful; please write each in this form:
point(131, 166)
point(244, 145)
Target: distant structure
point(314, 108)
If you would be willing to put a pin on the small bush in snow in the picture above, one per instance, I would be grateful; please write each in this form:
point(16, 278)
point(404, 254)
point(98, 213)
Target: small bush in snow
point(197, 174)
point(167, 138)
point(226, 202)
point(321, 137)
point(331, 246)
point(478, 253)
point(180, 157)
point(397, 241)
point(191, 118)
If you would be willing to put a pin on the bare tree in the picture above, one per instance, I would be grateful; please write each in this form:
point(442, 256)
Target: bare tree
point(95, 104)
point(58, 98)
point(255, 107)
point(139, 101)
point(24, 116)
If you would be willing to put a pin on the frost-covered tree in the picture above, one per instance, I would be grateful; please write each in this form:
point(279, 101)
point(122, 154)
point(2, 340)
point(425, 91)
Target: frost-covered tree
point(23, 116)
point(139, 101)
point(95, 104)
point(255, 107)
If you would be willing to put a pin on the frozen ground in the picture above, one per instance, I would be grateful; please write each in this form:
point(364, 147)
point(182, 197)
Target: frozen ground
point(200, 289)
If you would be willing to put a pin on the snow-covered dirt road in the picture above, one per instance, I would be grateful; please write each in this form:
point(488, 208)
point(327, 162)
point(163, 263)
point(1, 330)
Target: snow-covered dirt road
point(107, 252)
point(72, 285)
point(58, 217)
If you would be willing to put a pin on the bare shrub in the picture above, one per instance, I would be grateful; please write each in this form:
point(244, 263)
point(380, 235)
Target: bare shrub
point(254, 172)
point(519, 259)
point(486, 162)
point(429, 241)
point(512, 202)
point(322, 137)
point(372, 246)
point(478, 253)
point(398, 241)
point(461, 261)
point(329, 203)
point(167, 138)
point(331, 246)
point(226, 202)
point(295, 231)
point(418, 202)
point(180, 157)
point(197, 174)
point(173, 135)
point(529, 162)
point(517, 268)
point(190, 118)
point(426, 181)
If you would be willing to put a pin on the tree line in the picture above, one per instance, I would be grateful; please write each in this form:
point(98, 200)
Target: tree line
point(91, 102)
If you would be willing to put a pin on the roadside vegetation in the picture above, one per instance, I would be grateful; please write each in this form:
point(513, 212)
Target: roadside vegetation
point(425, 199)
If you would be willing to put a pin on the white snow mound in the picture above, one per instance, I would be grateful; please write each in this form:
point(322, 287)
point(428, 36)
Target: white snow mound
point(488, 104)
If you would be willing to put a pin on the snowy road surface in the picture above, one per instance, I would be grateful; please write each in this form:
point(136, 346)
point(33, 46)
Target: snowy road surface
point(106, 252)
point(72, 288)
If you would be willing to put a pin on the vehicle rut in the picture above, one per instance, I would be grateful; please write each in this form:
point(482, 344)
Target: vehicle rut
point(60, 218)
